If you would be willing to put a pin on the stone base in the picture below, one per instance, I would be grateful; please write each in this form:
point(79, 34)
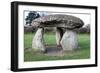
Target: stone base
point(69, 40)
point(59, 34)
point(38, 43)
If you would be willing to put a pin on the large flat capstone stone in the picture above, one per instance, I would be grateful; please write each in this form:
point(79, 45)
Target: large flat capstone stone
point(57, 20)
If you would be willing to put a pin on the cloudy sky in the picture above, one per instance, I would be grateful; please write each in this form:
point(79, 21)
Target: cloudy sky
point(85, 17)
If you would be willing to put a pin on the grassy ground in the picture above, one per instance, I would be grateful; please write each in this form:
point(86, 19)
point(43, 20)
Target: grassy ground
point(82, 53)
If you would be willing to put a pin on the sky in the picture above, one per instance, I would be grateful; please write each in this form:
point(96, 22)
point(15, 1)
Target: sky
point(85, 17)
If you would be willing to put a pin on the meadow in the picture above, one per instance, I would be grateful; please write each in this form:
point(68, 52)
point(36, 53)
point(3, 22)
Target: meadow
point(82, 53)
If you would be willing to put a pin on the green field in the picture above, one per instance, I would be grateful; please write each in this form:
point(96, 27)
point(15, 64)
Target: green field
point(82, 53)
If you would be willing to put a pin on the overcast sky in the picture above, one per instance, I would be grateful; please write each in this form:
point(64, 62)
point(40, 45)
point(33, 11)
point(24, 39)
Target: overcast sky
point(84, 17)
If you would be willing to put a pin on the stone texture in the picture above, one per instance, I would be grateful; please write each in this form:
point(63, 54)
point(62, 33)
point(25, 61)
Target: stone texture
point(38, 43)
point(57, 20)
point(59, 34)
point(69, 40)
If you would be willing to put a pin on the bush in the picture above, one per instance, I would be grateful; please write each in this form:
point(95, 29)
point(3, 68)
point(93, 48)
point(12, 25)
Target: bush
point(28, 29)
point(85, 29)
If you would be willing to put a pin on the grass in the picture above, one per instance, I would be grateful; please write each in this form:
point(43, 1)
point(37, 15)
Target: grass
point(82, 53)
point(48, 37)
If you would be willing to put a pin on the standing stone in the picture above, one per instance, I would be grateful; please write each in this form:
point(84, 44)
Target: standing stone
point(38, 43)
point(59, 34)
point(69, 40)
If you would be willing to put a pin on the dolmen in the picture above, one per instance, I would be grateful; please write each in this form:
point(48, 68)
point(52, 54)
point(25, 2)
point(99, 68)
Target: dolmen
point(68, 40)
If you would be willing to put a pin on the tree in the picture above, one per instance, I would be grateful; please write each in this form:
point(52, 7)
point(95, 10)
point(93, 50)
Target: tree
point(88, 28)
point(31, 16)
